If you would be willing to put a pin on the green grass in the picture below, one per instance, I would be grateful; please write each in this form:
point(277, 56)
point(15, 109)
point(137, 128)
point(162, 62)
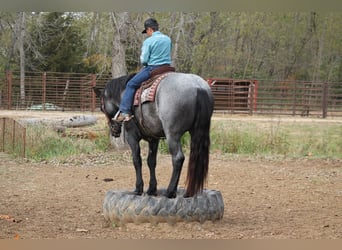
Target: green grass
point(276, 137)
point(323, 140)
point(44, 144)
point(245, 137)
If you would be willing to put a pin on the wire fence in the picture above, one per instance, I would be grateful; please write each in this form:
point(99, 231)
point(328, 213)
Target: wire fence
point(12, 137)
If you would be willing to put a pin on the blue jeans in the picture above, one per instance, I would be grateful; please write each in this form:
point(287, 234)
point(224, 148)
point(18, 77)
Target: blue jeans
point(132, 85)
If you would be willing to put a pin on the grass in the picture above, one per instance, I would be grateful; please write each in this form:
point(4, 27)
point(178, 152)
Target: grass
point(245, 137)
point(289, 139)
point(323, 141)
point(44, 144)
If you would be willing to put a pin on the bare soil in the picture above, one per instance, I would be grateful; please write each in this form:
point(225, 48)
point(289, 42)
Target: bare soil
point(265, 198)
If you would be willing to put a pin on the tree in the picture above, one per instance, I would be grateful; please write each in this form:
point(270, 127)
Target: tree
point(61, 44)
point(296, 45)
point(99, 35)
point(21, 40)
point(120, 22)
point(13, 39)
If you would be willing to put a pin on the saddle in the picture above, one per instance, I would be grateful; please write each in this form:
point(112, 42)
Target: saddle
point(148, 89)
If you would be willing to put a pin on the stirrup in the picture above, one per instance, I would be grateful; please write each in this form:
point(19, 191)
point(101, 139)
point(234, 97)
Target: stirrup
point(124, 119)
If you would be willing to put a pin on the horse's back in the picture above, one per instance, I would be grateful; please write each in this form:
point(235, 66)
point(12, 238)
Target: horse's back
point(177, 99)
point(185, 81)
point(179, 88)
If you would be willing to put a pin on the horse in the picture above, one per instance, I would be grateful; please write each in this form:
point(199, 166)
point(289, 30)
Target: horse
point(183, 103)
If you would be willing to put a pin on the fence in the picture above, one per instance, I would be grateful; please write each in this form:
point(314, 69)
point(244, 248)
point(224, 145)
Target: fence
point(277, 97)
point(232, 95)
point(12, 137)
point(299, 98)
point(51, 91)
point(72, 91)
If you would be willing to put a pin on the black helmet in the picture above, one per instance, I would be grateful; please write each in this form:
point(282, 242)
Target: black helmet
point(150, 23)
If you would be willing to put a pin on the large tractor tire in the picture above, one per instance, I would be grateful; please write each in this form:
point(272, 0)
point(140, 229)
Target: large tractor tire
point(122, 207)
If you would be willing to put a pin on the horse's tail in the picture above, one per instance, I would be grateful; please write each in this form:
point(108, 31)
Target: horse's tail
point(200, 144)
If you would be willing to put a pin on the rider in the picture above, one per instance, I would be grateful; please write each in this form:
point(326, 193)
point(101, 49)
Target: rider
point(155, 52)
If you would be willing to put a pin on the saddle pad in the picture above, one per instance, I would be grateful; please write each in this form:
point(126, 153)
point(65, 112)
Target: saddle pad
point(148, 89)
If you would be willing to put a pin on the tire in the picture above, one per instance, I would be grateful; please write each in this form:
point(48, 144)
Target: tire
point(122, 207)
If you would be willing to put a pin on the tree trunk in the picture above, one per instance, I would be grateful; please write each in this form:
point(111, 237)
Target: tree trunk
point(176, 44)
point(120, 25)
point(316, 76)
point(21, 31)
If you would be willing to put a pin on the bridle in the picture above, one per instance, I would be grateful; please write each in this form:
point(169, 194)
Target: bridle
point(115, 127)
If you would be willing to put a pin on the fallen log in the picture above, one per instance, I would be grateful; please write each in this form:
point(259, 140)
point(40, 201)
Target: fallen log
point(70, 122)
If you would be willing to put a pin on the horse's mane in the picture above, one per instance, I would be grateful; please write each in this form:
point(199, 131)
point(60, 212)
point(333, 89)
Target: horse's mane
point(117, 85)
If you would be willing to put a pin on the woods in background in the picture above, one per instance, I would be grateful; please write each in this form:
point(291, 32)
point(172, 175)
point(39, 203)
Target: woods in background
point(258, 45)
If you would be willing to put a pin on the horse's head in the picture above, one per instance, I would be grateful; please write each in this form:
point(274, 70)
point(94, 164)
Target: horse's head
point(109, 109)
point(110, 98)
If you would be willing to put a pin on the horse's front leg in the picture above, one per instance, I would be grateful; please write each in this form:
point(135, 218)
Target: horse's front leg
point(152, 162)
point(139, 184)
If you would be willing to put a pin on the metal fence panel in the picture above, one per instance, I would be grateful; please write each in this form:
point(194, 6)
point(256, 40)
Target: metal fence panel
point(73, 91)
point(51, 91)
point(299, 98)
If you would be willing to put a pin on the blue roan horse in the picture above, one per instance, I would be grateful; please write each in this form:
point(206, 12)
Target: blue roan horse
point(183, 102)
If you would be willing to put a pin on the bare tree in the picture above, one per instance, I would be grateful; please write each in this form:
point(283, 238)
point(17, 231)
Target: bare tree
point(177, 39)
point(21, 29)
point(120, 23)
point(94, 29)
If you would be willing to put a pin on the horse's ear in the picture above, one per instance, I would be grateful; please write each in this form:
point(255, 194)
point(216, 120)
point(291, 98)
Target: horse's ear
point(98, 91)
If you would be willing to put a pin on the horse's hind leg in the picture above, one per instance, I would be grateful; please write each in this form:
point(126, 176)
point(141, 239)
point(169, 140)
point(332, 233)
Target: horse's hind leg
point(175, 149)
point(152, 162)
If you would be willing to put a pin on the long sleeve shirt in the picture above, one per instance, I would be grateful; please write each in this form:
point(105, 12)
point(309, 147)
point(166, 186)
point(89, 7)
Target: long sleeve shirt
point(156, 50)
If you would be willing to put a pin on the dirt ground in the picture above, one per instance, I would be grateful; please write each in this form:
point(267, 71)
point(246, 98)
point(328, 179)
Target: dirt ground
point(265, 198)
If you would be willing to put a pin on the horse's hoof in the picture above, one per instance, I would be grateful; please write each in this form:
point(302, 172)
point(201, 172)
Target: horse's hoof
point(137, 192)
point(170, 195)
point(186, 195)
point(152, 192)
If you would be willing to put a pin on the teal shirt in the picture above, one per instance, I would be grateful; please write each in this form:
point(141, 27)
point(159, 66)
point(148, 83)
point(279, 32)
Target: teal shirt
point(156, 50)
